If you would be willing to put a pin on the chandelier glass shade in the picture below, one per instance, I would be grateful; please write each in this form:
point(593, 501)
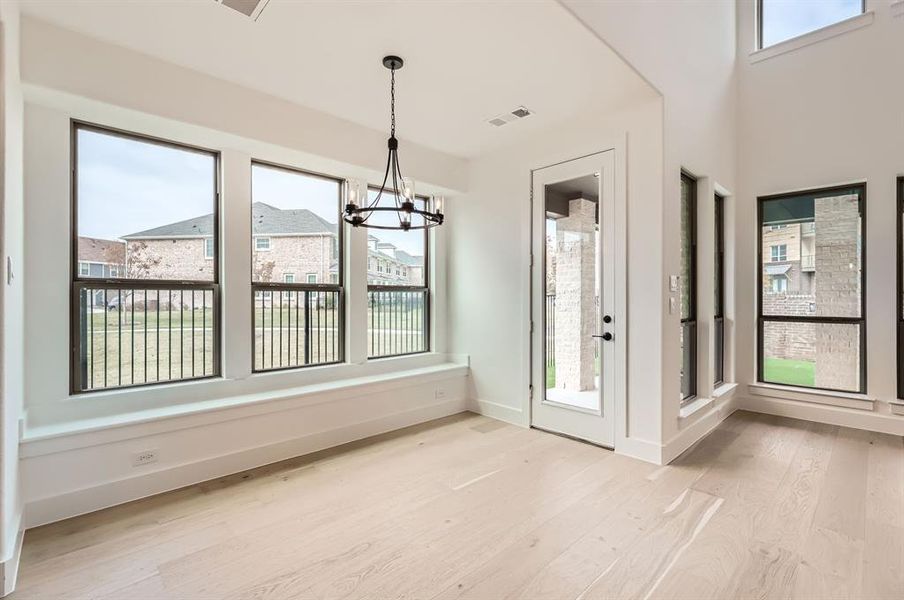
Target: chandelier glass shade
point(396, 192)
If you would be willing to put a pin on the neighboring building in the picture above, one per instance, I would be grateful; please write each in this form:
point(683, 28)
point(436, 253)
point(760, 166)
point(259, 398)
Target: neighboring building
point(789, 256)
point(101, 258)
point(289, 246)
point(387, 265)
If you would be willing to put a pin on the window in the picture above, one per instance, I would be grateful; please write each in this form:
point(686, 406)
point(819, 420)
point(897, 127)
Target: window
point(781, 20)
point(719, 289)
point(398, 305)
point(779, 283)
point(811, 320)
point(208, 248)
point(144, 300)
point(688, 282)
point(296, 324)
point(779, 252)
point(900, 299)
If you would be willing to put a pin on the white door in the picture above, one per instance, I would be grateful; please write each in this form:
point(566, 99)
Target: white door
point(575, 350)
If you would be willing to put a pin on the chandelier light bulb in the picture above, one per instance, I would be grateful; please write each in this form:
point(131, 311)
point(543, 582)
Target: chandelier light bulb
point(408, 189)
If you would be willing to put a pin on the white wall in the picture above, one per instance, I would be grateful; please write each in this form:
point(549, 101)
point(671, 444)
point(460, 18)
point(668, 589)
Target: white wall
point(686, 50)
point(827, 113)
point(11, 295)
point(490, 275)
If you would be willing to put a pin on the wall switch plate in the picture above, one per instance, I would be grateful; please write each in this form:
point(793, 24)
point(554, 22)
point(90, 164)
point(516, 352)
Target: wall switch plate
point(673, 304)
point(145, 457)
point(673, 283)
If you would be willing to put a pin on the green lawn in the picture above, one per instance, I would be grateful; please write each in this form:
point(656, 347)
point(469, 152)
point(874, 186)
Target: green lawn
point(551, 372)
point(790, 372)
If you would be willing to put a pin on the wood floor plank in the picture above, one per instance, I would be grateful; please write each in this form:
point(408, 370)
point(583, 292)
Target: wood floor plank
point(745, 476)
point(883, 547)
point(471, 508)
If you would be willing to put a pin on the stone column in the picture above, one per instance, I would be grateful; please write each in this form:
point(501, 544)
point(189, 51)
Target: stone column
point(837, 291)
point(575, 297)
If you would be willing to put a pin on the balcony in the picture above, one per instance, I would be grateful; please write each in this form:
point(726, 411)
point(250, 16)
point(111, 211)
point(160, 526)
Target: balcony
point(808, 262)
point(807, 229)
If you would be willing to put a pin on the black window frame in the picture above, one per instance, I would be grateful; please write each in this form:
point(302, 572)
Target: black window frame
point(900, 287)
point(859, 321)
point(78, 282)
point(719, 276)
point(759, 25)
point(270, 288)
point(423, 289)
point(689, 323)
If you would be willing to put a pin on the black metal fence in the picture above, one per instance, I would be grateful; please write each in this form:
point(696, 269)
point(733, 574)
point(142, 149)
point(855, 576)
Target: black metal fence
point(296, 327)
point(128, 335)
point(397, 321)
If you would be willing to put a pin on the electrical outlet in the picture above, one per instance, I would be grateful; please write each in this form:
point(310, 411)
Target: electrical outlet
point(440, 394)
point(145, 457)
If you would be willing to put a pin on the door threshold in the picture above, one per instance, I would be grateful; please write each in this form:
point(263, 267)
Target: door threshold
point(575, 438)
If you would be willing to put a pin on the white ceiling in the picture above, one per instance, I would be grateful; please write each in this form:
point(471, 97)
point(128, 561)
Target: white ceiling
point(465, 62)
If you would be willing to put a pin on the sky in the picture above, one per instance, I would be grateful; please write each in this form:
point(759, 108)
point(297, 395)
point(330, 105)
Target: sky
point(126, 186)
point(784, 19)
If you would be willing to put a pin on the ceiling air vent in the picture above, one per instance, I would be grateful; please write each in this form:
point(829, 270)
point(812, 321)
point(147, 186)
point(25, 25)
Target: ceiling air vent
point(249, 8)
point(509, 117)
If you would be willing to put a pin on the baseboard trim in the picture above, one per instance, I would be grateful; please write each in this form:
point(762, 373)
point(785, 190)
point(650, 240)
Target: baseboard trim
point(820, 413)
point(644, 450)
point(9, 568)
point(701, 427)
point(70, 504)
point(487, 408)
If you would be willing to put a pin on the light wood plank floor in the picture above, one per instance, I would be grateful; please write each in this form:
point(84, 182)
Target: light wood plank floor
point(468, 507)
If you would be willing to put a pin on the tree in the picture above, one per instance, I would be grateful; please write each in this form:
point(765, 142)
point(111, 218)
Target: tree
point(140, 261)
point(263, 269)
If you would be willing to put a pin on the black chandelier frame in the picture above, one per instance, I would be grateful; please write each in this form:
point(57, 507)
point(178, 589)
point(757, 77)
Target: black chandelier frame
point(403, 205)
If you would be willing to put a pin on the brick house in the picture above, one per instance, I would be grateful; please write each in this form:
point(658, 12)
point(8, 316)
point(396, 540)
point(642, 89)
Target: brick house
point(101, 258)
point(289, 246)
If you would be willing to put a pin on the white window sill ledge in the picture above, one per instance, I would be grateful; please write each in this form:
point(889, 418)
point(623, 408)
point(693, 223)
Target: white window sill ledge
point(694, 406)
point(723, 392)
point(897, 407)
point(813, 37)
point(47, 439)
point(842, 399)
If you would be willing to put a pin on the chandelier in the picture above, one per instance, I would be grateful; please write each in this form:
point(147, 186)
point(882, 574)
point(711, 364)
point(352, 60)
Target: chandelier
point(396, 193)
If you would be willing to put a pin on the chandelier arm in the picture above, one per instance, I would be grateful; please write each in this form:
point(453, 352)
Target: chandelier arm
point(395, 186)
point(379, 195)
